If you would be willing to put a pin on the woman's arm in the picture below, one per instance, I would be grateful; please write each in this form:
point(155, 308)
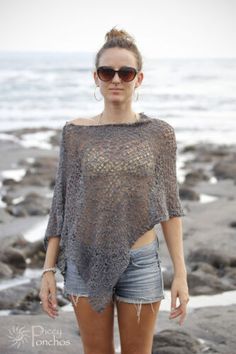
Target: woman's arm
point(172, 230)
point(52, 252)
point(48, 282)
point(53, 232)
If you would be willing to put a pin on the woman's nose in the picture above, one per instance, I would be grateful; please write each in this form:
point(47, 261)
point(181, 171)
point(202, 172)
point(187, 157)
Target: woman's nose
point(116, 77)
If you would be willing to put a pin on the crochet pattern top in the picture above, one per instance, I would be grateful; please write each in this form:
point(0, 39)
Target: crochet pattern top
point(113, 183)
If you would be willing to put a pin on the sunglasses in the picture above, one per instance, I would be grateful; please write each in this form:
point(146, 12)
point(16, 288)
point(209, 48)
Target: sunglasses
point(126, 73)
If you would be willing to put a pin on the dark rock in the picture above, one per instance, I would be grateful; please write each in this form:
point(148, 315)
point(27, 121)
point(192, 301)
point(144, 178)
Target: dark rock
point(31, 205)
point(35, 251)
point(201, 283)
point(5, 271)
point(226, 168)
point(232, 224)
point(230, 273)
point(30, 302)
point(41, 172)
point(213, 257)
point(203, 279)
point(9, 182)
point(176, 342)
point(13, 257)
point(188, 194)
point(191, 178)
point(204, 267)
point(211, 272)
point(33, 248)
point(34, 179)
point(25, 298)
point(189, 148)
point(19, 312)
point(16, 240)
point(13, 298)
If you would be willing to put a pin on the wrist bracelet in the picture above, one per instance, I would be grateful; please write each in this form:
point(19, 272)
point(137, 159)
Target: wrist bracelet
point(51, 269)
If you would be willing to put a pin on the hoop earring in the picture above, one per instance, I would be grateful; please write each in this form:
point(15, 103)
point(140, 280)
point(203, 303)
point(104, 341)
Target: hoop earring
point(137, 97)
point(95, 94)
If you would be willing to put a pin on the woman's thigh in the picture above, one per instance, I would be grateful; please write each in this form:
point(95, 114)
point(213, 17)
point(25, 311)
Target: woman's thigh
point(136, 337)
point(96, 329)
point(138, 295)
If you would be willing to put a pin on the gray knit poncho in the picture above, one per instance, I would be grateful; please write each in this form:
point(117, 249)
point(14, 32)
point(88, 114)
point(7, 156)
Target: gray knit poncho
point(113, 183)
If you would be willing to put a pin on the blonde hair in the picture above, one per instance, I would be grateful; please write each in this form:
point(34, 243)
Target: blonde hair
point(120, 39)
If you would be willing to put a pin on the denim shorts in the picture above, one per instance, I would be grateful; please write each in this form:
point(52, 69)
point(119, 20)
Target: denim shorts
point(140, 283)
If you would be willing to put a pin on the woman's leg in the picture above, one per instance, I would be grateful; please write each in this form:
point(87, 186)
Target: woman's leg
point(138, 295)
point(136, 337)
point(96, 329)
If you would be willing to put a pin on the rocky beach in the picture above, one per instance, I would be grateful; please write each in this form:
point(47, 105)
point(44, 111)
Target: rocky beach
point(208, 193)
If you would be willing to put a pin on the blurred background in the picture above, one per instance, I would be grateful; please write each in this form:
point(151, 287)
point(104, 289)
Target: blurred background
point(47, 54)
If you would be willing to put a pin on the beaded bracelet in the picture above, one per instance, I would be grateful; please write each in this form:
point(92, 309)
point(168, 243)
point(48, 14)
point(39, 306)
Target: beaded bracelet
point(51, 269)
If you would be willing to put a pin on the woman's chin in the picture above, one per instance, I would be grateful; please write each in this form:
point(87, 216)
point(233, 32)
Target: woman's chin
point(115, 99)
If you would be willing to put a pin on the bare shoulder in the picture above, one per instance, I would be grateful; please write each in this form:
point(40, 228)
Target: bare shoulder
point(82, 121)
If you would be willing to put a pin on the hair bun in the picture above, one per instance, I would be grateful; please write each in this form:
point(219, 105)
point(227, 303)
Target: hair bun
point(114, 33)
point(120, 39)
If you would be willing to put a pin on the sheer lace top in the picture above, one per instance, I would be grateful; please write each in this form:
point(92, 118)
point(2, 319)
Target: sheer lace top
point(113, 183)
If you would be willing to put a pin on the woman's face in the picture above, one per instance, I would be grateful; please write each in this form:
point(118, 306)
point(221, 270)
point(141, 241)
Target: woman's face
point(116, 58)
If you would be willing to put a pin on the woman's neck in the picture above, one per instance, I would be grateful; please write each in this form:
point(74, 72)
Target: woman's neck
point(107, 117)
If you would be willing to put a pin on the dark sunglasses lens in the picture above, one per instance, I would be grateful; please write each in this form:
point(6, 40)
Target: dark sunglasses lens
point(127, 74)
point(105, 74)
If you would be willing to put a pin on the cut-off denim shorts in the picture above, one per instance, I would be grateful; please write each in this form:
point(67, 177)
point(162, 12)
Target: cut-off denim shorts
point(140, 283)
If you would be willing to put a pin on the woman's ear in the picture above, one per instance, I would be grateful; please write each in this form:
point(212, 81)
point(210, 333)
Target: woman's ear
point(95, 76)
point(139, 79)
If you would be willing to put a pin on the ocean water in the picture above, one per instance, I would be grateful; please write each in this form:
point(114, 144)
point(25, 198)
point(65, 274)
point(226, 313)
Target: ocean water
point(196, 96)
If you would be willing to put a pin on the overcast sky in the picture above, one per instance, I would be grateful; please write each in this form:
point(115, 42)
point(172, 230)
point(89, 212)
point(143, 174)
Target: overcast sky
point(162, 28)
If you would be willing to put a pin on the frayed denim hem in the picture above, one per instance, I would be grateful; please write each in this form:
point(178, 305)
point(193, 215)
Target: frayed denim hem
point(138, 303)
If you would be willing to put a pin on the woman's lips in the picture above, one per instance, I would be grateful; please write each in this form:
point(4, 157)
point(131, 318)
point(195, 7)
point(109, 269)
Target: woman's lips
point(113, 90)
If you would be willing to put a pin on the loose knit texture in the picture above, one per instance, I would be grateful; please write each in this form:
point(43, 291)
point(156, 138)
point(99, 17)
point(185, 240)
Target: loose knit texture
point(113, 183)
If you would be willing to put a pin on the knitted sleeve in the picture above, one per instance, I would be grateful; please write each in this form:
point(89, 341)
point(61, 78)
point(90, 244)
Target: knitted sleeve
point(168, 160)
point(56, 214)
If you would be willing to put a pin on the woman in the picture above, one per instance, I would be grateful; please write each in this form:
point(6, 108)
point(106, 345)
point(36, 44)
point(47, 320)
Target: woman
point(116, 179)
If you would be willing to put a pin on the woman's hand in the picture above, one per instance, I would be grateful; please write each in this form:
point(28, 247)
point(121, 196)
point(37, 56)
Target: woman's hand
point(48, 294)
point(179, 288)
